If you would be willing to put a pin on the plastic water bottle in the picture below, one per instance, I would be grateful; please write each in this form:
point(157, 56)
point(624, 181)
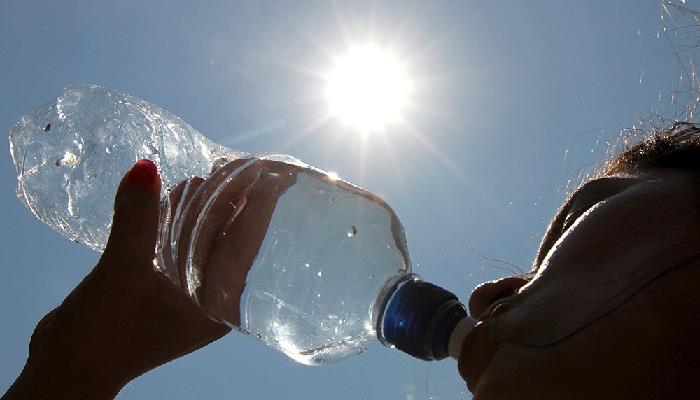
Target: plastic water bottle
point(309, 264)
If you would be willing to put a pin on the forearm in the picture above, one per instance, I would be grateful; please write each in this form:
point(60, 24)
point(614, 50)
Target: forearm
point(38, 381)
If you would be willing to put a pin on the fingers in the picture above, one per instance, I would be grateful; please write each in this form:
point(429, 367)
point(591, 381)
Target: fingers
point(136, 215)
point(175, 203)
point(489, 292)
point(245, 213)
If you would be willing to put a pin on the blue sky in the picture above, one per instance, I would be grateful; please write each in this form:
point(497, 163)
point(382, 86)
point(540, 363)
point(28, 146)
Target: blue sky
point(515, 99)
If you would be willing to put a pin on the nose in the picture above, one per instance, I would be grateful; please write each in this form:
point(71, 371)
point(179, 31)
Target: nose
point(489, 292)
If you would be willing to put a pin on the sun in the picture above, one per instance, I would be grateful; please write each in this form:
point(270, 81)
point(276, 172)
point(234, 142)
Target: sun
point(367, 89)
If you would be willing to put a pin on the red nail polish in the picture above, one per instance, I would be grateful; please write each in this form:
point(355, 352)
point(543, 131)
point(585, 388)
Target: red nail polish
point(143, 174)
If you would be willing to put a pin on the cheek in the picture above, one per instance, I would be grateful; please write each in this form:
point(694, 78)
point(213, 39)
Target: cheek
point(521, 372)
point(593, 361)
point(611, 356)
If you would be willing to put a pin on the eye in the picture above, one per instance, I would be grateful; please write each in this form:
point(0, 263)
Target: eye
point(575, 214)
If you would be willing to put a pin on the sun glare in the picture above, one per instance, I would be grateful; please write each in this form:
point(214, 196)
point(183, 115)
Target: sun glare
point(367, 89)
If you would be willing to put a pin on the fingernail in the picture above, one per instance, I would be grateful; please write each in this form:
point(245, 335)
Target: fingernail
point(143, 174)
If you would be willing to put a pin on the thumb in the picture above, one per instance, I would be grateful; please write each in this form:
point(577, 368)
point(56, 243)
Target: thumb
point(132, 239)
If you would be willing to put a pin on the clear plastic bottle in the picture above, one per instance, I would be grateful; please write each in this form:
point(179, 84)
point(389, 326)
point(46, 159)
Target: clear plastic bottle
point(307, 263)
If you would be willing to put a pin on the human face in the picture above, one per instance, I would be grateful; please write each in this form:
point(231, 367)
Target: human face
point(604, 312)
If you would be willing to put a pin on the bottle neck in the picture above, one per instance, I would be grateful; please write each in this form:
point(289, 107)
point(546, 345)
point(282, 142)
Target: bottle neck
point(422, 319)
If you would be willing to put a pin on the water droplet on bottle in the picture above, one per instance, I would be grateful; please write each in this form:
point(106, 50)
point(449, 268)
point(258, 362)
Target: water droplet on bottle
point(69, 160)
point(320, 274)
point(149, 148)
point(307, 265)
point(108, 149)
point(352, 232)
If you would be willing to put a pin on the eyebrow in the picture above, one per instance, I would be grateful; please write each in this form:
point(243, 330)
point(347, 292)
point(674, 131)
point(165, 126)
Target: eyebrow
point(554, 230)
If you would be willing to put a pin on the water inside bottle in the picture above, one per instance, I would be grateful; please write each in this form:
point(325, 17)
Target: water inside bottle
point(285, 253)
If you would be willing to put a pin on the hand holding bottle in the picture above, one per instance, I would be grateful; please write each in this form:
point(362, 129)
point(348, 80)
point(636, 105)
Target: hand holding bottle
point(306, 262)
point(123, 319)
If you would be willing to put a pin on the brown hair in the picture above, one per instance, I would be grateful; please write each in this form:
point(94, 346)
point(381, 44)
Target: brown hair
point(677, 146)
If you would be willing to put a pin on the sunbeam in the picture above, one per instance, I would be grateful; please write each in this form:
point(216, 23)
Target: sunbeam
point(442, 157)
point(306, 131)
point(394, 161)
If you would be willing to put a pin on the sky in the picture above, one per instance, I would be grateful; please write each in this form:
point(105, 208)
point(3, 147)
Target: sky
point(513, 103)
